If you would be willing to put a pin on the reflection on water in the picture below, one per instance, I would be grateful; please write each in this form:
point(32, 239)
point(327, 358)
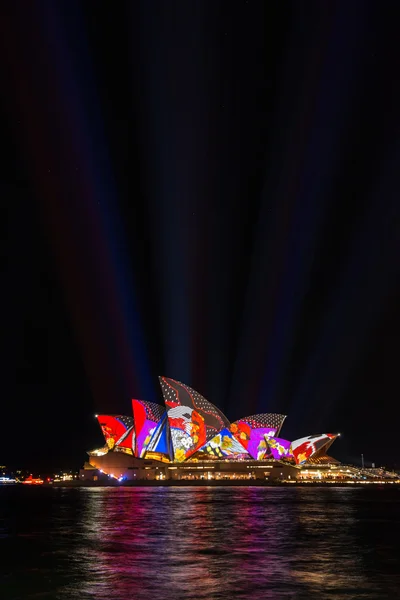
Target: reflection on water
point(199, 543)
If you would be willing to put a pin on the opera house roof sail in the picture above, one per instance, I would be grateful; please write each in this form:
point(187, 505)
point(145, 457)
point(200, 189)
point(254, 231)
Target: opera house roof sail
point(190, 428)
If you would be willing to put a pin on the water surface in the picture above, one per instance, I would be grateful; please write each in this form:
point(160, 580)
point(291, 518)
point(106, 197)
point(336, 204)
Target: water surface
point(199, 543)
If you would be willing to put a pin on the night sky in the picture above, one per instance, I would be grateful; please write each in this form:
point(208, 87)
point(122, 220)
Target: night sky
point(206, 190)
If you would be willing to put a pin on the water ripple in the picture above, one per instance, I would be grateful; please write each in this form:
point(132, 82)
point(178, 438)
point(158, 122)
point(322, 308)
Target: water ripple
point(200, 543)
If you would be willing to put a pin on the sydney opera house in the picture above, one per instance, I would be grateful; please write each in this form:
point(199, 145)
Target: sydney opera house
point(190, 438)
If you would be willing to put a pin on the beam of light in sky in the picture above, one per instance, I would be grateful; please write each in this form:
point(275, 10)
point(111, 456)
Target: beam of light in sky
point(73, 176)
point(300, 179)
point(367, 279)
point(174, 139)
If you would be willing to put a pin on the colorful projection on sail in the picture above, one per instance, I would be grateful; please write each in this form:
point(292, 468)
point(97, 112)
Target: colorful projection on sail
point(278, 448)
point(127, 442)
point(265, 420)
point(251, 432)
point(114, 428)
point(160, 440)
point(193, 420)
point(225, 445)
point(304, 448)
point(146, 416)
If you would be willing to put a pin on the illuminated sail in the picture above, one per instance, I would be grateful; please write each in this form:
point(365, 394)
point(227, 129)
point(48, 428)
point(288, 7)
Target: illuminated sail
point(251, 432)
point(127, 442)
point(193, 420)
point(114, 427)
point(225, 445)
point(146, 416)
point(160, 441)
point(278, 448)
point(305, 448)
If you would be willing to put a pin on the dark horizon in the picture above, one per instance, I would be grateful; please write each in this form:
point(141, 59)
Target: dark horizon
point(207, 191)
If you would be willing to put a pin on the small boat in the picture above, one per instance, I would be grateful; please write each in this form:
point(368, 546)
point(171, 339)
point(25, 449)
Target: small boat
point(31, 481)
point(7, 480)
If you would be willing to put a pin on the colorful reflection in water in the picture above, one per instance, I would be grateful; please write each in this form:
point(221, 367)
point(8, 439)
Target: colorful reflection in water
point(200, 543)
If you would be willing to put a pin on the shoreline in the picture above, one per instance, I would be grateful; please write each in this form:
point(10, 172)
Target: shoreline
point(228, 483)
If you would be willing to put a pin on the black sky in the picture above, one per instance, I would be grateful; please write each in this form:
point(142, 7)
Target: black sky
point(207, 191)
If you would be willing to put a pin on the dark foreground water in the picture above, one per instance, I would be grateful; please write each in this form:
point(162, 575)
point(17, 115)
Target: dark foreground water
point(199, 543)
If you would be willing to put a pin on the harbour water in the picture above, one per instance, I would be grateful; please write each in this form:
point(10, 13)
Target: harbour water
point(199, 543)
